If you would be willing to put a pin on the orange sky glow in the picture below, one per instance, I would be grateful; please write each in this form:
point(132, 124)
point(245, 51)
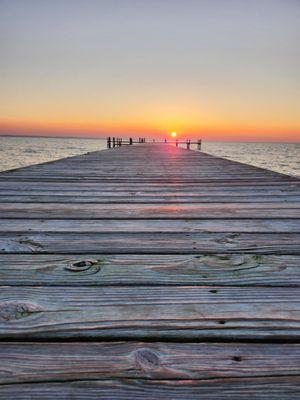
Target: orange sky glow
point(208, 133)
point(149, 68)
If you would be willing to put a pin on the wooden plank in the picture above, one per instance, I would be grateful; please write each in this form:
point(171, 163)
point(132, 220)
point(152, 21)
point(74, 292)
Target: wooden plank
point(207, 182)
point(177, 168)
point(69, 228)
point(178, 313)
point(111, 191)
point(152, 225)
point(151, 243)
point(109, 163)
point(159, 199)
point(127, 389)
point(110, 188)
point(103, 270)
point(45, 362)
point(125, 211)
point(130, 176)
point(155, 163)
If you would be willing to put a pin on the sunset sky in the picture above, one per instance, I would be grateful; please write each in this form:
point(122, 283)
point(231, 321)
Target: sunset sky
point(216, 69)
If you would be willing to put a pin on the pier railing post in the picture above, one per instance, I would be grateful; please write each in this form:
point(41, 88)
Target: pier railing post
point(109, 142)
point(118, 142)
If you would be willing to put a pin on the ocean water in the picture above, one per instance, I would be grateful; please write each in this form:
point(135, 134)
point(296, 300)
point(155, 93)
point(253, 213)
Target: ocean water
point(18, 152)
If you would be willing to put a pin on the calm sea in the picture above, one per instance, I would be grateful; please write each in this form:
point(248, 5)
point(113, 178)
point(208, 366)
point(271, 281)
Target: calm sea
point(18, 152)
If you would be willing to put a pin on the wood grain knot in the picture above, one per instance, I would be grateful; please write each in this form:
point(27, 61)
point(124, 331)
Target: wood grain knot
point(147, 359)
point(236, 262)
point(31, 244)
point(13, 310)
point(237, 358)
point(228, 238)
point(90, 266)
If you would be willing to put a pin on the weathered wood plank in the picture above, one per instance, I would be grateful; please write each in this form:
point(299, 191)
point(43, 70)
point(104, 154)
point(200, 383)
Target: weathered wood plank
point(159, 199)
point(235, 229)
point(46, 362)
point(103, 270)
point(286, 388)
point(110, 188)
point(130, 174)
point(181, 312)
point(151, 243)
point(125, 211)
point(151, 225)
point(162, 181)
point(130, 167)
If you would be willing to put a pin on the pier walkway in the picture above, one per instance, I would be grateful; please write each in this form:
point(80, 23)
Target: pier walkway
point(149, 272)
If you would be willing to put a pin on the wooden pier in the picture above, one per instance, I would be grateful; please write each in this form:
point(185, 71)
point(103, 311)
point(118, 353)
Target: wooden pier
point(149, 272)
point(113, 142)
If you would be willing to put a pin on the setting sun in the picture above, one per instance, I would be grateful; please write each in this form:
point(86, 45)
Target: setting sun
point(173, 134)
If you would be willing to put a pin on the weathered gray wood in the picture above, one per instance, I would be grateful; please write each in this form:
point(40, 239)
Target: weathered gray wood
point(163, 181)
point(151, 243)
point(40, 362)
point(102, 270)
point(145, 199)
point(99, 219)
point(150, 225)
point(278, 388)
point(125, 211)
point(192, 178)
point(168, 188)
point(181, 312)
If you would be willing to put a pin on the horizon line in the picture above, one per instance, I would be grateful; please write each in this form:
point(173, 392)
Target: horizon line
point(104, 138)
